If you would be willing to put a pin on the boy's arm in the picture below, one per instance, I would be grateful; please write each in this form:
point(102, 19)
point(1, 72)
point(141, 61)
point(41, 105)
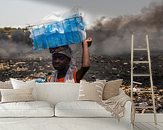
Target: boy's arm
point(85, 59)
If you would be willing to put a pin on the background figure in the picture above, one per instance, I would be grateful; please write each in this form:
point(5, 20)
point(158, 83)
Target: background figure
point(65, 70)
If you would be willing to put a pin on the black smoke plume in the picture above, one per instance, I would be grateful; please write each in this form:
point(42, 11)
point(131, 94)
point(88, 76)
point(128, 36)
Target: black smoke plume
point(113, 36)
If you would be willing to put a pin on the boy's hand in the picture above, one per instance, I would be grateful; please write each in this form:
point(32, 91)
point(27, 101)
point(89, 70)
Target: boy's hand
point(88, 41)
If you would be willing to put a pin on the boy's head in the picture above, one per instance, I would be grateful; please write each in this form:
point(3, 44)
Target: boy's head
point(61, 57)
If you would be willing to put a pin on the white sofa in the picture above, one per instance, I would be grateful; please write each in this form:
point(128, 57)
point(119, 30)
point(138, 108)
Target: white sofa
point(57, 108)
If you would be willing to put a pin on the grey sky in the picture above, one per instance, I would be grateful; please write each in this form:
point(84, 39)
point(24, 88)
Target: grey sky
point(24, 12)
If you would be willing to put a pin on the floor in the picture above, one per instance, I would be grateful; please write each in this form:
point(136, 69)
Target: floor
point(148, 126)
point(146, 122)
point(63, 124)
point(142, 122)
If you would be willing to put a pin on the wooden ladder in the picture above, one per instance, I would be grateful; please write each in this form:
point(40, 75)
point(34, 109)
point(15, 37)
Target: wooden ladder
point(140, 74)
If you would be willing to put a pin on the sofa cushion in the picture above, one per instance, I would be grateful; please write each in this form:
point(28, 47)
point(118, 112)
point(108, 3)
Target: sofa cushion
point(19, 84)
point(16, 95)
point(91, 91)
point(26, 109)
point(5, 85)
point(111, 89)
point(80, 109)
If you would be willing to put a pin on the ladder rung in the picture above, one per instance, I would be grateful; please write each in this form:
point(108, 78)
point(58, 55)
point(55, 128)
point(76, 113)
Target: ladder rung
point(143, 106)
point(141, 74)
point(137, 83)
point(140, 49)
point(137, 62)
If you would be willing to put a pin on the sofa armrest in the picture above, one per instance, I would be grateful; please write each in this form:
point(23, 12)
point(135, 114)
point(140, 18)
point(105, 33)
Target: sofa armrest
point(125, 121)
point(127, 112)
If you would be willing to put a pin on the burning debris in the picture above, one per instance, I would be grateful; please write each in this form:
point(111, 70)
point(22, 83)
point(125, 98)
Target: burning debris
point(145, 99)
point(1, 66)
point(102, 67)
point(24, 68)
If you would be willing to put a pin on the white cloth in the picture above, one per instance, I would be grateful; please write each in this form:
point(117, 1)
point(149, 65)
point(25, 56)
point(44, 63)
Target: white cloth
point(116, 104)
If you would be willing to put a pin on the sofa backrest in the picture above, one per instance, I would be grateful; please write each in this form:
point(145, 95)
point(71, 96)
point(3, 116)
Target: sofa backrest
point(57, 92)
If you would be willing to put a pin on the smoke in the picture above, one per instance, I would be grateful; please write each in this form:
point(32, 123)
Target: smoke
point(10, 49)
point(113, 36)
